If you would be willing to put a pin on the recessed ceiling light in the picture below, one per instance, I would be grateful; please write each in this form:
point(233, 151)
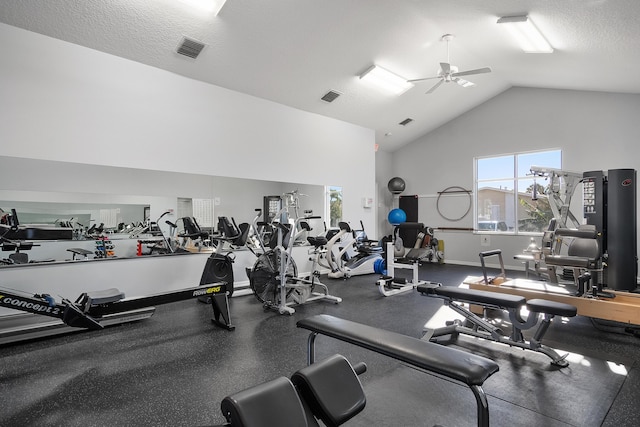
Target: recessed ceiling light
point(386, 80)
point(526, 34)
point(210, 6)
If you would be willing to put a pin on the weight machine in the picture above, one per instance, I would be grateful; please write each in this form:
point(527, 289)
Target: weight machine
point(607, 244)
point(388, 284)
point(602, 253)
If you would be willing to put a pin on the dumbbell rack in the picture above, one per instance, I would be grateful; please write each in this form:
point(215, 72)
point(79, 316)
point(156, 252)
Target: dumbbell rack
point(104, 248)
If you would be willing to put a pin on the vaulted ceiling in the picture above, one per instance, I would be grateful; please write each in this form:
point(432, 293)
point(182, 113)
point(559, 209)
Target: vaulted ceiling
point(294, 51)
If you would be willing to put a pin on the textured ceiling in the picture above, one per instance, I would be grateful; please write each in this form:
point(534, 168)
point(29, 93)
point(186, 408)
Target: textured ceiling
point(294, 51)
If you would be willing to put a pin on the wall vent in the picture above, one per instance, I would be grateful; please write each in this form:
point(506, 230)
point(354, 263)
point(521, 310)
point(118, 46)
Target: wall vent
point(405, 121)
point(190, 47)
point(331, 96)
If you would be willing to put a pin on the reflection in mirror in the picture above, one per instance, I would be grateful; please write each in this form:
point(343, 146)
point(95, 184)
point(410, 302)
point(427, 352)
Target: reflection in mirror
point(48, 231)
point(335, 205)
point(81, 196)
point(80, 217)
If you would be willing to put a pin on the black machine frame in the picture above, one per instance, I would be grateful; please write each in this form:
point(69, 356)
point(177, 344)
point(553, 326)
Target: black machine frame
point(95, 310)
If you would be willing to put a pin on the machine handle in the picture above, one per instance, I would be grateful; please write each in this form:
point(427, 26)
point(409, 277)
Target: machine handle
point(490, 253)
point(485, 254)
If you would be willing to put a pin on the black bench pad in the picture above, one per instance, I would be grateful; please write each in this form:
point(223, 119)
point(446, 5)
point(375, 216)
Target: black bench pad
point(449, 362)
point(583, 233)
point(272, 403)
point(570, 261)
point(79, 251)
point(551, 307)
point(417, 254)
point(481, 297)
point(317, 241)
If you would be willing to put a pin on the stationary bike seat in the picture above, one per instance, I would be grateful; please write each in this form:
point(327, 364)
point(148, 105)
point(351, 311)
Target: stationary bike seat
point(317, 241)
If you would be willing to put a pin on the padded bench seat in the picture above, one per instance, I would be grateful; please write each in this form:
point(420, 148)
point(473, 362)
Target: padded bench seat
point(481, 297)
point(551, 307)
point(105, 296)
point(447, 362)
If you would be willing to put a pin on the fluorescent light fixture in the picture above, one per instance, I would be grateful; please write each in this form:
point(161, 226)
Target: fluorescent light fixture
point(209, 6)
point(386, 80)
point(526, 34)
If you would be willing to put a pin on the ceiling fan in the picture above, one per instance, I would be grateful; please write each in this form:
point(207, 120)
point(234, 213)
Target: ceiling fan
point(449, 73)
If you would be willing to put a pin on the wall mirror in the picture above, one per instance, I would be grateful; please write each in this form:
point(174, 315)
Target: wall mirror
point(60, 194)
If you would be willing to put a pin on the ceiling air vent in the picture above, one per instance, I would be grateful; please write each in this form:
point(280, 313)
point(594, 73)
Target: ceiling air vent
point(331, 96)
point(405, 122)
point(190, 47)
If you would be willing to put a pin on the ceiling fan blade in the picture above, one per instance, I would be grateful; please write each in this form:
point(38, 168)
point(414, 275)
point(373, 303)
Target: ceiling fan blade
point(434, 87)
point(463, 82)
point(470, 72)
point(423, 79)
point(445, 67)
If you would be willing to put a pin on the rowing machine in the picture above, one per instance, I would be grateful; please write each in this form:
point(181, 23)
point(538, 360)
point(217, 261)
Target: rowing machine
point(95, 310)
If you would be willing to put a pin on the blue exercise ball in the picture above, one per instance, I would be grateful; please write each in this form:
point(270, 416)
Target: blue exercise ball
point(397, 216)
point(396, 185)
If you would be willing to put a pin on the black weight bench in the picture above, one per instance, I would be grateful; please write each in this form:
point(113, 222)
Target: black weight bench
point(446, 362)
point(539, 309)
point(80, 252)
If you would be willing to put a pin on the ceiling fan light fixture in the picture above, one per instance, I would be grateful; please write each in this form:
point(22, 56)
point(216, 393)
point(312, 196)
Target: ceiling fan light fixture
point(465, 83)
point(524, 31)
point(386, 80)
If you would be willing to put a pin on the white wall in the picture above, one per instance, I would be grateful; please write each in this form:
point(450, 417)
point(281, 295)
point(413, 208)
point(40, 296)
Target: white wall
point(69, 103)
point(596, 131)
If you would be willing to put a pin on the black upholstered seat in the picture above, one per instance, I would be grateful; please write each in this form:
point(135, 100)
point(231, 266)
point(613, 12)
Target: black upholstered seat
point(332, 390)
point(274, 403)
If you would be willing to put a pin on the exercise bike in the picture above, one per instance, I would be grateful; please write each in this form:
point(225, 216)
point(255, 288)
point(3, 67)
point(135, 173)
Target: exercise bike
point(274, 277)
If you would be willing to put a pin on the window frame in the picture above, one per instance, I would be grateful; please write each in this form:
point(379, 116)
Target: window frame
point(329, 204)
point(515, 180)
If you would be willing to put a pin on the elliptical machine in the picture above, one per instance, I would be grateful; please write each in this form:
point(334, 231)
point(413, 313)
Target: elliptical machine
point(351, 253)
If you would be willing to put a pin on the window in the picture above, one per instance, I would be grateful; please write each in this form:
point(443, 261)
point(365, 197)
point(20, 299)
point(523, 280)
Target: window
point(504, 190)
point(333, 205)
